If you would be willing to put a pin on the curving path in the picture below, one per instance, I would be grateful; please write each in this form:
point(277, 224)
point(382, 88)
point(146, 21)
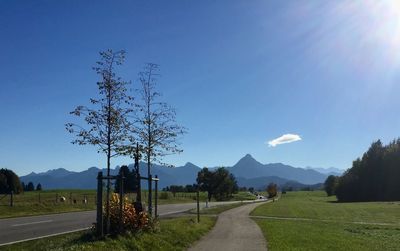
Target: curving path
point(234, 230)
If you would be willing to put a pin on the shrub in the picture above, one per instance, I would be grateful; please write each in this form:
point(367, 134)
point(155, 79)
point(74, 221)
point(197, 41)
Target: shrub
point(131, 221)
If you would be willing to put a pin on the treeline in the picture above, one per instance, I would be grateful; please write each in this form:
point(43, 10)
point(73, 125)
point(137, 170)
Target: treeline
point(31, 187)
point(180, 189)
point(9, 182)
point(374, 177)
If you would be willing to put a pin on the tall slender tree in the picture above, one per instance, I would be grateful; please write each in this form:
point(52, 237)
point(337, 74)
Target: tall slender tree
point(107, 126)
point(155, 122)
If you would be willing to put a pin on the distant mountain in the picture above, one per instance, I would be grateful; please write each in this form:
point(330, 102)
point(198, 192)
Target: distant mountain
point(248, 171)
point(248, 167)
point(328, 171)
point(60, 172)
point(64, 179)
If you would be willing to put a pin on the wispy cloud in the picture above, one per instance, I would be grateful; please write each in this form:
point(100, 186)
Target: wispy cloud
point(286, 138)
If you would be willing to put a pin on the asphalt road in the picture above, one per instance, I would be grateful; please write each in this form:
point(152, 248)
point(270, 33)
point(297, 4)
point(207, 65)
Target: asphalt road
point(20, 229)
point(233, 231)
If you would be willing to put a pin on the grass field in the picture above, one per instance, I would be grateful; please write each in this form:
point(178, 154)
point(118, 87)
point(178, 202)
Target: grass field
point(313, 221)
point(174, 234)
point(216, 209)
point(45, 202)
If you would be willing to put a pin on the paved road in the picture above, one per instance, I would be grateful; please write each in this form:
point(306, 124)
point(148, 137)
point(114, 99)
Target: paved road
point(234, 230)
point(27, 228)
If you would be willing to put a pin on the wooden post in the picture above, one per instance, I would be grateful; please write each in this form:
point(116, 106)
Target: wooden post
point(121, 201)
point(99, 220)
point(150, 210)
point(56, 197)
point(70, 198)
point(198, 204)
point(12, 199)
point(156, 198)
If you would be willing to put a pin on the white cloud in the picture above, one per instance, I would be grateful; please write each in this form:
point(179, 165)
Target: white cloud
point(286, 138)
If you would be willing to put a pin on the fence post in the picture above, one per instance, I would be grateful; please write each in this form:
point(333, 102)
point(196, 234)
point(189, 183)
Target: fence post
point(56, 197)
point(70, 198)
point(121, 201)
point(12, 199)
point(156, 198)
point(99, 220)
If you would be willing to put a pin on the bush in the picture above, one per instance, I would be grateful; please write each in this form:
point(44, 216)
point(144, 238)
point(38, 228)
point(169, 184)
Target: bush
point(131, 221)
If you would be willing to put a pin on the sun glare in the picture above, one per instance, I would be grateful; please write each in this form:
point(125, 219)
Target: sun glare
point(363, 35)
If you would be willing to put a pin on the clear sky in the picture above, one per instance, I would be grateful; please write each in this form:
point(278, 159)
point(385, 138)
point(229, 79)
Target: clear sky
point(239, 73)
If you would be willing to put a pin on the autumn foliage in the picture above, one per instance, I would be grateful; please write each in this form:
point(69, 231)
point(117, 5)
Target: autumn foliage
point(131, 221)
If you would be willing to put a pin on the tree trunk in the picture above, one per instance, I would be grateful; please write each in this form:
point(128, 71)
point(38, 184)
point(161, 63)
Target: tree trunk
point(149, 183)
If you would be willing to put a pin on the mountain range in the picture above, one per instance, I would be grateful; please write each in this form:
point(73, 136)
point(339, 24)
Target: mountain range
point(248, 172)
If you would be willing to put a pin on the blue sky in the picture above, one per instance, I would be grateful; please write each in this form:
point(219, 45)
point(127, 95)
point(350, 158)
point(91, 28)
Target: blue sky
point(239, 73)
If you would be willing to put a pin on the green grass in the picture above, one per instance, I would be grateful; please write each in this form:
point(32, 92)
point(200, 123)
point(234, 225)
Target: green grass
point(331, 225)
point(217, 209)
point(174, 234)
point(44, 202)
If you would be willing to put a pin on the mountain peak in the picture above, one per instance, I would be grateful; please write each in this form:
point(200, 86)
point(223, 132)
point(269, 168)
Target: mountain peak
point(247, 160)
point(93, 168)
point(248, 156)
point(57, 170)
point(190, 164)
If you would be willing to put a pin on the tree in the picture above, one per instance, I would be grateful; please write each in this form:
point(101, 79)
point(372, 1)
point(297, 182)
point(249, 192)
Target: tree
point(219, 184)
point(30, 187)
point(39, 187)
point(155, 122)
point(330, 185)
point(107, 125)
point(206, 182)
point(374, 176)
point(9, 182)
point(130, 182)
point(3, 183)
point(272, 190)
point(251, 189)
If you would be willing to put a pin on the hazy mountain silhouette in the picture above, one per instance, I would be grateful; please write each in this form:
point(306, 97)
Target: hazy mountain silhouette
point(248, 171)
point(248, 167)
point(328, 171)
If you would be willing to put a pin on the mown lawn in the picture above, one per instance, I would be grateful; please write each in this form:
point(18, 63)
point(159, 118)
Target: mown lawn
point(174, 234)
point(327, 225)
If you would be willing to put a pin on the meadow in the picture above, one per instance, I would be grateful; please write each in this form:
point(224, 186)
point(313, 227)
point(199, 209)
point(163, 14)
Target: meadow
point(313, 221)
point(48, 201)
